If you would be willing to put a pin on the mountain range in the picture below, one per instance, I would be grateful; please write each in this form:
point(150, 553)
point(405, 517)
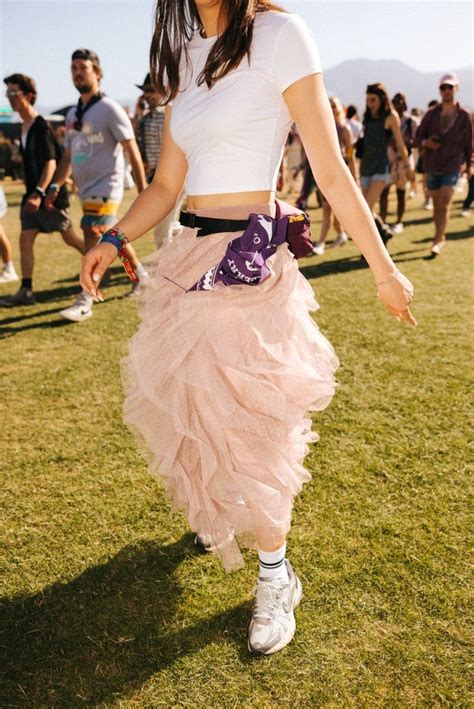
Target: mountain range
point(349, 79)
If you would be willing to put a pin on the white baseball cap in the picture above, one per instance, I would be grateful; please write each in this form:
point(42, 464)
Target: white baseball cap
point(449, 79)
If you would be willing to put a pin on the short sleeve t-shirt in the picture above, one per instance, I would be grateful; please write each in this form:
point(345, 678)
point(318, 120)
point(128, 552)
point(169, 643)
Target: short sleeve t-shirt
point(37, 149)
point(233, 134)
point(97, 159)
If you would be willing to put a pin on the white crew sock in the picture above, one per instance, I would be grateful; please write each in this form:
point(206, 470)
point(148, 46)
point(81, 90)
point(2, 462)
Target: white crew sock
point(141, 271)
point(9, 267)
point(272, 564)
point(86, 298)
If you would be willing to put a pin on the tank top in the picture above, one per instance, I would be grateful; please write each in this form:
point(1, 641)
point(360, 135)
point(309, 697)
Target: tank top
point(376, 140)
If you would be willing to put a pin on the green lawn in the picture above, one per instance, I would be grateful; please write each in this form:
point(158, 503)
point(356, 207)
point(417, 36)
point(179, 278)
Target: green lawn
point(104, 602)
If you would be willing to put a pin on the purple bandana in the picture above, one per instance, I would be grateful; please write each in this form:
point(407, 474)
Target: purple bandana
point(244, 261)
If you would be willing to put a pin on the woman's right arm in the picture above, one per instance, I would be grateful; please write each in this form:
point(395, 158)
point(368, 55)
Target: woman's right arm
point(148, 209)
point(156, 202)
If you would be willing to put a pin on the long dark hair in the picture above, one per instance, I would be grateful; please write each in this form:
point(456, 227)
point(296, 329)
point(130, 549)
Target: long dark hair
point(177, 20)
point(378, 89)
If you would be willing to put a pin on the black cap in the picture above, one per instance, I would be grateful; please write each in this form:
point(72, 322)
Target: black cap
point(86, 54)
point(147, 82)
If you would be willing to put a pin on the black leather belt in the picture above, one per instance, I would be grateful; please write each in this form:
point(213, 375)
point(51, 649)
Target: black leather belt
point(209, 225)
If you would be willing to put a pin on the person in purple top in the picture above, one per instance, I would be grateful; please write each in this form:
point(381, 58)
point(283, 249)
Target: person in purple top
point(445, 134)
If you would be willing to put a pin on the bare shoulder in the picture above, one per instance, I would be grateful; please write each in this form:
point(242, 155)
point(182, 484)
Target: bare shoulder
point(392, 119)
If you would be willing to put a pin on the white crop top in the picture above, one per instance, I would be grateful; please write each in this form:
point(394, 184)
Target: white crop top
point(234, 133)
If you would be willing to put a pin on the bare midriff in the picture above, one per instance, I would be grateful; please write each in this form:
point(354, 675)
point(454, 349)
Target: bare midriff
point(231, 199)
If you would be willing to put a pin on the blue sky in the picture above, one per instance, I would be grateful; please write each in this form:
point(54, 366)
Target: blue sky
point(37, 37)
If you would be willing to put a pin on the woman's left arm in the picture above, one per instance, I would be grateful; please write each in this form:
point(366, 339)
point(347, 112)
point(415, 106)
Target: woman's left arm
point(309, 106)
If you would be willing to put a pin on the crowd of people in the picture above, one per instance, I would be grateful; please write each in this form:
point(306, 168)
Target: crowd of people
point(392, 146)
point(100, 144)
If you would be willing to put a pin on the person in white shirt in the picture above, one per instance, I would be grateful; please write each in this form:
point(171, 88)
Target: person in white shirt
point(219, 378)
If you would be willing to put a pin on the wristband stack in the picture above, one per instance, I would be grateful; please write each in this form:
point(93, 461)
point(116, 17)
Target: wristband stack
point(117, 238)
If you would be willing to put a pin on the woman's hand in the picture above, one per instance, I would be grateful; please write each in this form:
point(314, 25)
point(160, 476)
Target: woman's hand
point(396, 293)
point(94, 265)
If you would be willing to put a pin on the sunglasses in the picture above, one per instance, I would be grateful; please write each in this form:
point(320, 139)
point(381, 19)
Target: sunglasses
point(12, 93)
point(445, 87)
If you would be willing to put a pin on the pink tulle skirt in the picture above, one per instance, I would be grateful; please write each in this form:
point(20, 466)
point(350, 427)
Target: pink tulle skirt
point(218, 388)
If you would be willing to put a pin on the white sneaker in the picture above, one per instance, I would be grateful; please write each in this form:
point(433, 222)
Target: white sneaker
point(273, 622)
point(464, 213)
point(7, 276)
point(137, 288)
point(342, 239)
point(436, 248)
point(318, 248)
point(428, 204)
point(78, 311)
point(398, 228)
point(412, 194)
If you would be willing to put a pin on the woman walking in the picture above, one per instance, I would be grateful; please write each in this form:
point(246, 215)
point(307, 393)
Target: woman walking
point(220, 377)
point(381, 124)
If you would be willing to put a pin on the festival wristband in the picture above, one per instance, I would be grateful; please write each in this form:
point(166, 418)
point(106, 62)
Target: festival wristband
point(117, 238)
point(40, 192)
point(54, 187)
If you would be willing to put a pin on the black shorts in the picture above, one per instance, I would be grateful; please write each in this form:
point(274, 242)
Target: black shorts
point(45, 221)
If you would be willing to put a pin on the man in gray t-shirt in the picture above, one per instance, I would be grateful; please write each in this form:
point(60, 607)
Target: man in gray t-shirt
point(97, 158)
point(97, 132)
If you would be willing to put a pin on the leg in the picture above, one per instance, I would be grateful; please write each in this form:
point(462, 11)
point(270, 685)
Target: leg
point(400, 204)
point(326, 222)
point(71, 238)
point(8, 273)
point(470, 195)
point(372, 194)
point(6, 252)
point(442, 199)
point(384, 202)
point(27, 239)
point(25, 295)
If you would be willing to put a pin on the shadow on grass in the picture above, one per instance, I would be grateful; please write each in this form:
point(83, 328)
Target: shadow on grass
point(114, 270)
point(328, 268)
point(105, 633)
point(27, 313)
point(454, 236)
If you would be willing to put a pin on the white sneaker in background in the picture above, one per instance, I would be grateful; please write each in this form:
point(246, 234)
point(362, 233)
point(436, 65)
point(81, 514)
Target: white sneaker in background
point(273, 622)
point(8, 275)
point(437, 248)
point(466, 213)
point(342, 239)
point(175, 228)
point(428, 204)
point(137, 288)
point(398, 228)
point(412, 195)
point(80, 310)
point(318, 248)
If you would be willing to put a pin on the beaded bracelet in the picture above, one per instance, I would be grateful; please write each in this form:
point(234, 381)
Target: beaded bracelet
point(117, 238)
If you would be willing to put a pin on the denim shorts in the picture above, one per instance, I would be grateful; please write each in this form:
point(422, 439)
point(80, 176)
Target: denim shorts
point(434, 181)
point(366, 180)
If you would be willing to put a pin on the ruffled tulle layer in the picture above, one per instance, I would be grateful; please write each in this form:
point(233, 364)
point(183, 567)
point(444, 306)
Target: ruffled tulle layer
point(218, 388)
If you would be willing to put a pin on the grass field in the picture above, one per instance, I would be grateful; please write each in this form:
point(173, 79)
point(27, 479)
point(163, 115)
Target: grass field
point(104, 602)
